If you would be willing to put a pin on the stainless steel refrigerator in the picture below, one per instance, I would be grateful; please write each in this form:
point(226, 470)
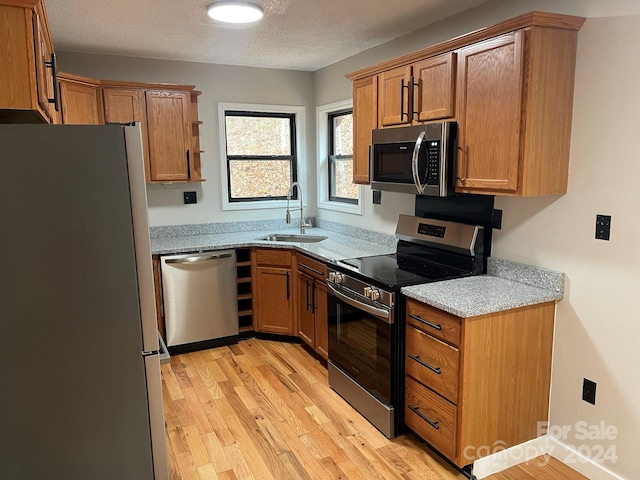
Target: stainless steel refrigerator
point(80, 385)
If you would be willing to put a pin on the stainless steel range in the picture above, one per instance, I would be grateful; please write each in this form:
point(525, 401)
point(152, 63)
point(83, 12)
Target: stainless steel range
point(366, 311)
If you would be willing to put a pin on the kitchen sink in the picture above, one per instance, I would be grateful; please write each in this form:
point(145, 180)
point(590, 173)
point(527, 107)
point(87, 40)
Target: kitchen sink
point(281, 237)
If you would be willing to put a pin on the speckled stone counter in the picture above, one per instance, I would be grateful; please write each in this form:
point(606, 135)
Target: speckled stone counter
point(336, 247)
point(507, 285)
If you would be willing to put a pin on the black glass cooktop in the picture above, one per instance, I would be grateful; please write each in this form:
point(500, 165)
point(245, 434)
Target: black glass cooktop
point(397, 270)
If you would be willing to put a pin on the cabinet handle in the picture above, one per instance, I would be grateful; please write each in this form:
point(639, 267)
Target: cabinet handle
point(307, 294)
point(416, 358)
point(314, 307)
point(412, 99)
point(402, 112)
point(437, 326)
point(188, 166)
point(287, 285)
point(54, 73)
point(417, 411)
point(464, 163)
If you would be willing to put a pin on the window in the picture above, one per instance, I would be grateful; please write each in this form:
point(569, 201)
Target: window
point(341, 186)
point(334, 136)
point(261, 155)
point(262, 150)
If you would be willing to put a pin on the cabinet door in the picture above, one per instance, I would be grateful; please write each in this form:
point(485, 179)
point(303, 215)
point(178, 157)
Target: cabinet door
point(169, 133)
point(80, 104)
point(365, 101)
point(274, 300)
point(434, 94)
point(490, 75)
point(306, 321)
point(393, 97)
point(321, 319)
point(123, 105)
point(44, 69)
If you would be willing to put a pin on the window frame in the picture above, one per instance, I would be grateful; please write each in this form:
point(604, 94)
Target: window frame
point(297, 113)
point(322, 164)
point(332, 156)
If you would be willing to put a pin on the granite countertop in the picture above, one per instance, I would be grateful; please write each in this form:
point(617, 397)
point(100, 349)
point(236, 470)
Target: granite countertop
point(336, 247)
point(507, 285)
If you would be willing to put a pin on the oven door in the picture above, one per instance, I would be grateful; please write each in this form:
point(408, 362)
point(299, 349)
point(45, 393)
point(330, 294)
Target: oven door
point(360, 336)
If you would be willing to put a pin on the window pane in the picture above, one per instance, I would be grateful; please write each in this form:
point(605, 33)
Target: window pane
point(343, 135)
point(258, 135)
point(259, 178)
point(342, 185)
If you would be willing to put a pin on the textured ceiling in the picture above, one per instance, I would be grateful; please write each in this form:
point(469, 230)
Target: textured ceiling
point(294, 34)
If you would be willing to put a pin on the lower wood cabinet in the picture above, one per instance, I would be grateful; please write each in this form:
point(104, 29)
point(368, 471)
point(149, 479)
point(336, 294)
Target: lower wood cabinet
point(273, 281)
point(477, 385)
point(312, 304)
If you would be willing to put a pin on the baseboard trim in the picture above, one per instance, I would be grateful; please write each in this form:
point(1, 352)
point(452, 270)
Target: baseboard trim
point(509, 457)
point(581, 464)
point(545, 444)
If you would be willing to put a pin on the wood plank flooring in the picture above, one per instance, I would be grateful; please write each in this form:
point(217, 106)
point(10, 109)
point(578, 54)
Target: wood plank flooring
point(263, 410)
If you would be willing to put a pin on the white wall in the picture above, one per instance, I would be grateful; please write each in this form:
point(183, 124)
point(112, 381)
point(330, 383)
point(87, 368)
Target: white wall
point(218, 83)
point(598, 321)
point(598, 327)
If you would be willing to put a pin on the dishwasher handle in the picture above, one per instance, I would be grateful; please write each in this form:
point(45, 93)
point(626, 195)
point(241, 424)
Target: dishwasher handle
point(189, 260)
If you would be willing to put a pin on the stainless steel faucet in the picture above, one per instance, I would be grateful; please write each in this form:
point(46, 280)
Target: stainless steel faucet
point(303, 224)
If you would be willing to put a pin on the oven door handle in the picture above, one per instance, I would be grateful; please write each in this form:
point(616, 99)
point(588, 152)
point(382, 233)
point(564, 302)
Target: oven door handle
point(380, 313)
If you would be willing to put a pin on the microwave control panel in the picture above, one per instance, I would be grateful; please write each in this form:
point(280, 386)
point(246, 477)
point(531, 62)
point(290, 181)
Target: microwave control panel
point(433, 162)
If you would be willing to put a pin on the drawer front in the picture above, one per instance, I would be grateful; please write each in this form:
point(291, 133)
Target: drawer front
point(273, 257)
point(312, 267)
point(434, 322)
point(433, 363)
point(431, 417)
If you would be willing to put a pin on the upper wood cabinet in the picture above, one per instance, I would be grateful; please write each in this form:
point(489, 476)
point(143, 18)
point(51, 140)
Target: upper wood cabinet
point(28, 73)
point(416, 93)
point(365, 92)
point(515, 103)
point(393, 97)
point(434, 88)
point(169, 133)
point(80, 99)
point(510, 89)
point(168, 116)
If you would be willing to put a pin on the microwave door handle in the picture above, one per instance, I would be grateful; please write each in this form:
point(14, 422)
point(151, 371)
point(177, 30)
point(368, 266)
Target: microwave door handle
point(414, 162)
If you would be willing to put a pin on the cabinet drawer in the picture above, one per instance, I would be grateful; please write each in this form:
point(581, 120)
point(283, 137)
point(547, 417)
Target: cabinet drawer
point(433, 363)
point(312, 267)
point(431, 417)
point(273, 256)
point(433, 321)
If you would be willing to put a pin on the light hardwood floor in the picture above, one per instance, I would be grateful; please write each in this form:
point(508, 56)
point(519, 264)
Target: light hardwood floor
point(263, 410)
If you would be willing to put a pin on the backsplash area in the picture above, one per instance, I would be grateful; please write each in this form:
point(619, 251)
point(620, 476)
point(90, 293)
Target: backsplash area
point(264, 225)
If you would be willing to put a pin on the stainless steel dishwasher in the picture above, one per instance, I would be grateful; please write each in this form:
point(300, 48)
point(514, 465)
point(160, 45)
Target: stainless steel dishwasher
point(200, 296)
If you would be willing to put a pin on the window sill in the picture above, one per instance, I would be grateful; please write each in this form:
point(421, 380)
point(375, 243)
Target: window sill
point(341, 207)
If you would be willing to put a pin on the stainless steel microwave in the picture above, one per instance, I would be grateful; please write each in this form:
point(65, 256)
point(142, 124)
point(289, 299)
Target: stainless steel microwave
point(417, 159)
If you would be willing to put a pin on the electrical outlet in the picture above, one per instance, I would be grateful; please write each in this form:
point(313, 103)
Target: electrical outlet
point(496, 220)
point(603, 227)
point(190, 197)
point(377, 197)
point(589, 391)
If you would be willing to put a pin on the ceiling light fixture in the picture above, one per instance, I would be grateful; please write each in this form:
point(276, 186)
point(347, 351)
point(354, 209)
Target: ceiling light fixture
point(234, 11)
